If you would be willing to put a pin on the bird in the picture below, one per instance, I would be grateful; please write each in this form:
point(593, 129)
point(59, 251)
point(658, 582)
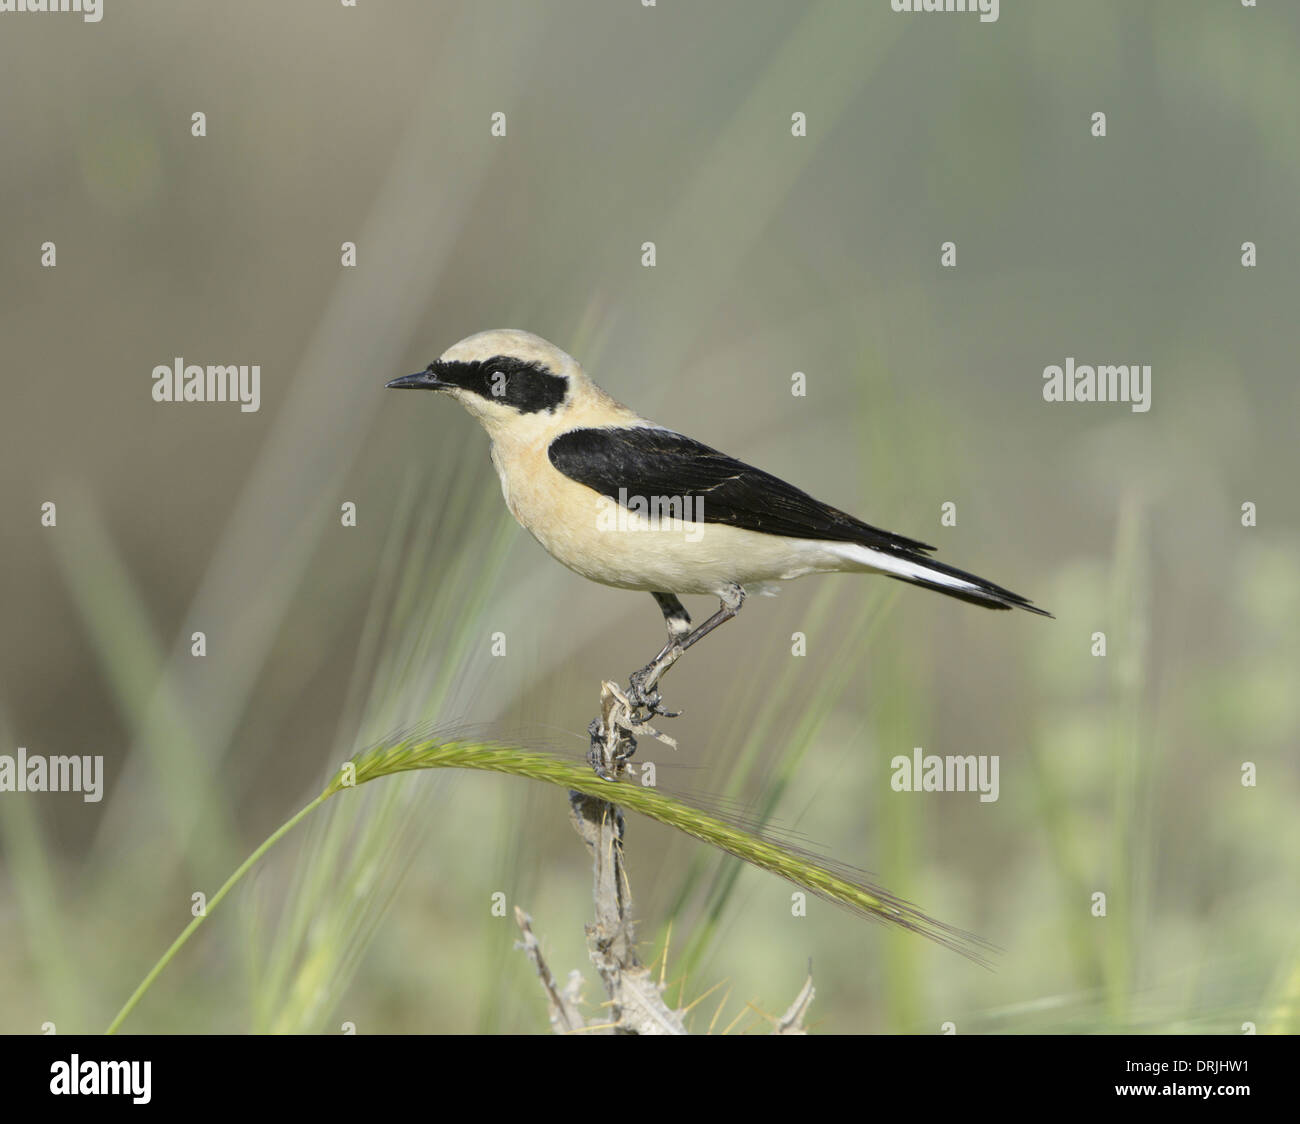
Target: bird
point(631, 504)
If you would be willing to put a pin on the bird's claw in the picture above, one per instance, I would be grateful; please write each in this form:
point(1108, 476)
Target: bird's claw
point(646, 697)
point(653, 705)
point(613, 735)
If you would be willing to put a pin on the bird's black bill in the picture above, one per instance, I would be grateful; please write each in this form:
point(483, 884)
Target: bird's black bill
point(421, 380)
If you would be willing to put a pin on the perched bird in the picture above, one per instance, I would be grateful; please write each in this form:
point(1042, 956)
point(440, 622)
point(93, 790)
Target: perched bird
point(630, 504)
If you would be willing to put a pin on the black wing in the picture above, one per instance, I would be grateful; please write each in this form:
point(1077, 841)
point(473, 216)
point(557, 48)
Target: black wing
point(650, 462)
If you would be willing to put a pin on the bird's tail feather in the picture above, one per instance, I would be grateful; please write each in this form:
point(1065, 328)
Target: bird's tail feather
point(926, 572)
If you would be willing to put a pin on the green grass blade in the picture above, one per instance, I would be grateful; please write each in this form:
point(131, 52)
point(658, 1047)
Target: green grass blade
point(409, 754)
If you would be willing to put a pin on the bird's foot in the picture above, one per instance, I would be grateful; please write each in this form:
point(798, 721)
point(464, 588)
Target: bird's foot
point(643, 686)
point(613, 735)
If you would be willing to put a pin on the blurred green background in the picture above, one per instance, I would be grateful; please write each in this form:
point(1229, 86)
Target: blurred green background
point(776, 254)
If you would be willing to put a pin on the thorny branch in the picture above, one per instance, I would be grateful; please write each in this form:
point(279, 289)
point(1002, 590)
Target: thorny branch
point(636, 1003)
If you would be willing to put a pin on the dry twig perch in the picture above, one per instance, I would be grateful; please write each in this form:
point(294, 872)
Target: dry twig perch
point(636, 1003)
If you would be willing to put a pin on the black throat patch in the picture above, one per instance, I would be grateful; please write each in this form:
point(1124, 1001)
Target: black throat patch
point(528, 387)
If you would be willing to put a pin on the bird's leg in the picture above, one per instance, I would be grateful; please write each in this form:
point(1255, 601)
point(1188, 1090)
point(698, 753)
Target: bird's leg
point(678, 622)
point(643, 690)
point(677, 619)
